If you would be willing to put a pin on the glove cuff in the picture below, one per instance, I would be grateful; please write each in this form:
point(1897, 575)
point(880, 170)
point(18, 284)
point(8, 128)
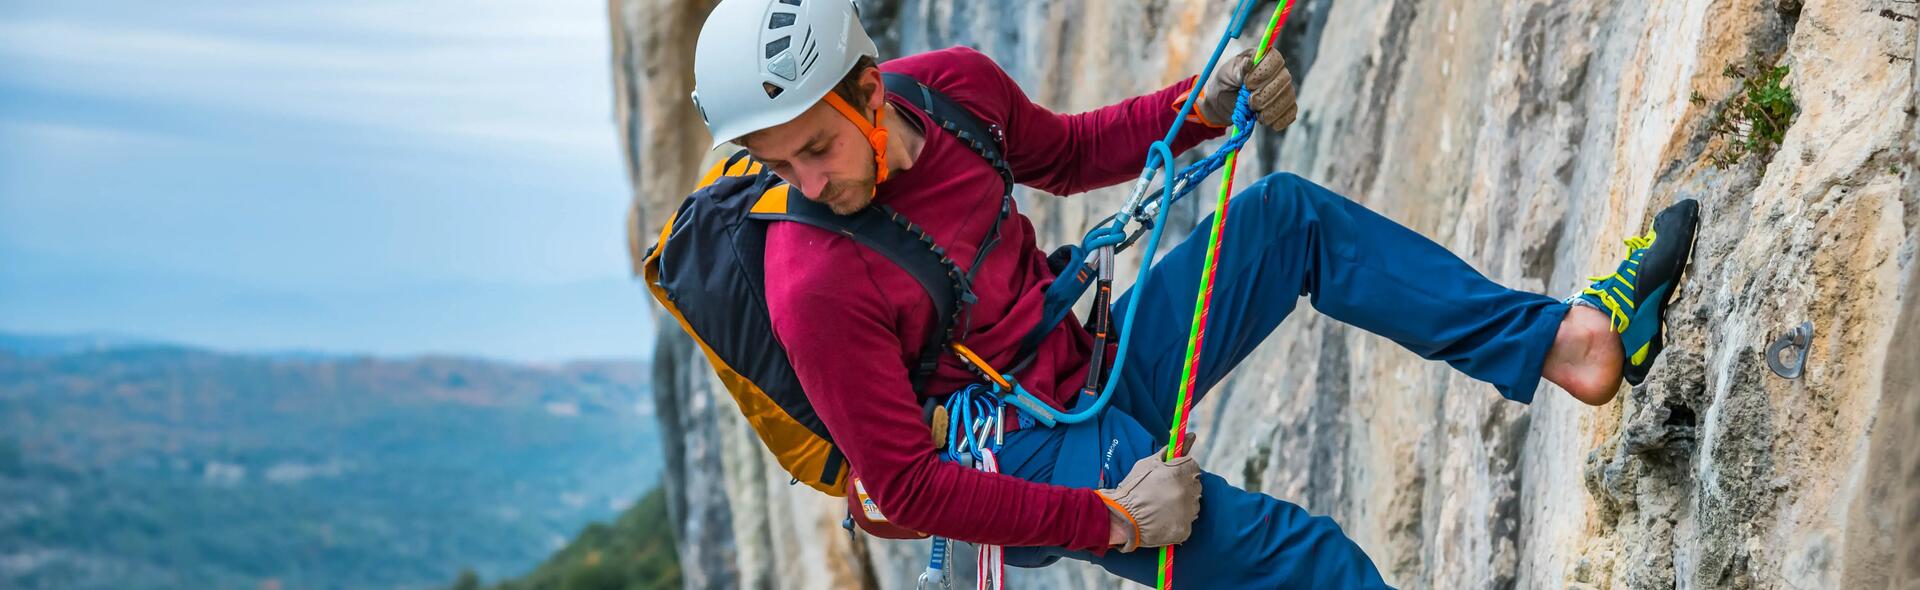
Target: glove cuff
point(1114, 508)
point(1195, 116)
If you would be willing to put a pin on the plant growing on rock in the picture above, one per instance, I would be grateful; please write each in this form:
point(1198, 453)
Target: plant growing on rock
point(1755, 119)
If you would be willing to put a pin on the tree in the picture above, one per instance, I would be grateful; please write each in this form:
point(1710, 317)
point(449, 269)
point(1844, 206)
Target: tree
point(467, 580)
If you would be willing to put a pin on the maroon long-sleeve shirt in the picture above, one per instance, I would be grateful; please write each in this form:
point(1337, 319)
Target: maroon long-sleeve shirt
point(851, 320)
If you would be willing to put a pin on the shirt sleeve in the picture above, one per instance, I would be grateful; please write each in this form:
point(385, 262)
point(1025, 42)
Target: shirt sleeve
point(1062, 154)
point(846, 352)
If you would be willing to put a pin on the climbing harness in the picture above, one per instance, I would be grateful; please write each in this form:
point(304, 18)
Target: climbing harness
point(977, 413)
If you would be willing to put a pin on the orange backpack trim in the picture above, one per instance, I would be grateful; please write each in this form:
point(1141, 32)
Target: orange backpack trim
point(797, 448)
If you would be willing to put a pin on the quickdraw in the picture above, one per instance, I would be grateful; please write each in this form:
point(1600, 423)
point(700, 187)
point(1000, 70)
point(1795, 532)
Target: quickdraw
point(936, 574)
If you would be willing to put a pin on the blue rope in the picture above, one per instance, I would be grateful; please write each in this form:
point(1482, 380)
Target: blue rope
point(1159, 156)
point(969, 408)
point(1189, 178)
point(1193, 94)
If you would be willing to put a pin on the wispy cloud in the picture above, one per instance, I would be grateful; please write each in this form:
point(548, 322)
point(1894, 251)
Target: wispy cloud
point(440, 20)
point(81, 138)
point(344, 151)
point(446, 71)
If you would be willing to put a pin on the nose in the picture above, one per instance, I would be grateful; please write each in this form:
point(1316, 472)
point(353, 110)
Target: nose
point(811, 182)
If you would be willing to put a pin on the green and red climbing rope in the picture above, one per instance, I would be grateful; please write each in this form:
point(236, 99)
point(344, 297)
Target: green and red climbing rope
point(1196, 335)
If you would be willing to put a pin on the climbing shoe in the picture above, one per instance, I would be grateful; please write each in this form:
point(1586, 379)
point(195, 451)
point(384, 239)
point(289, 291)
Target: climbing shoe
point(1636, 294)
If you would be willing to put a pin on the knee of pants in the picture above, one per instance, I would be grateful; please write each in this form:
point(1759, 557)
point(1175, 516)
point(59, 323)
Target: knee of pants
point(1289, 202)
point(1285, 200)
point(1284, 179)
point(1285, 183)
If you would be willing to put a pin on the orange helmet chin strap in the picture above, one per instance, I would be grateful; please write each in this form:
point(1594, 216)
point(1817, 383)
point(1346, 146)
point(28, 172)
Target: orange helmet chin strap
point(876, 135)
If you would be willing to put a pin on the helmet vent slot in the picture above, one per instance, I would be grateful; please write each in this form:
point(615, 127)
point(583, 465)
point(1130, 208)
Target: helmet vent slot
point(781, 19)
point(776, 46)
point(809, 52)
point(772, 91)
point(812, 56)
point(790, 2)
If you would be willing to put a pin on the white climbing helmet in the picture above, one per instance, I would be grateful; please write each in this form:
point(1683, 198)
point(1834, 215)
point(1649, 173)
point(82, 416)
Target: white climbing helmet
point(760, 63)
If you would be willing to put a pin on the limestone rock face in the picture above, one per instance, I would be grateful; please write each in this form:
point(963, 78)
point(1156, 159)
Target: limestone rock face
point(1527, 136)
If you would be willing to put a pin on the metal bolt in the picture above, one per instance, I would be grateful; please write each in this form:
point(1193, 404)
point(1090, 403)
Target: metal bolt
point(1801, 338)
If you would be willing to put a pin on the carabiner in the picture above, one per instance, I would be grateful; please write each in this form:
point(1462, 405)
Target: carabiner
point(927, 580)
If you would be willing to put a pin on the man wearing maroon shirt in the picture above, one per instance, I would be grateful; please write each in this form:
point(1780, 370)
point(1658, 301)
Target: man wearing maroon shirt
point(813, 108)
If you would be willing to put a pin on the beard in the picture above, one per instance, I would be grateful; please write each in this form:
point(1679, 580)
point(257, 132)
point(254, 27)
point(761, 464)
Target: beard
point(847, 197)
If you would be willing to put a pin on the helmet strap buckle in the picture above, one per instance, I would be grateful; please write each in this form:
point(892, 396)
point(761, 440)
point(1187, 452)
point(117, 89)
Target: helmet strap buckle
point(875, 132)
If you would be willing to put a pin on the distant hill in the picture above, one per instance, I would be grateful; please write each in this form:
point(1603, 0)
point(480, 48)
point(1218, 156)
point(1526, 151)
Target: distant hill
point(128, 464)
point(54, 345)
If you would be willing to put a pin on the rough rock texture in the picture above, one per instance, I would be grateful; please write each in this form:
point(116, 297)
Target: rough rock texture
point(1527, 136)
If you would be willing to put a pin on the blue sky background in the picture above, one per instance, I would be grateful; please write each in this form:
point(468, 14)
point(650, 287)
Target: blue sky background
point(430, 176)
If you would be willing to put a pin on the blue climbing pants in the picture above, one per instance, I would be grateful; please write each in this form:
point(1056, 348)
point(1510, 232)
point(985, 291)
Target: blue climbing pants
point(1285, 238)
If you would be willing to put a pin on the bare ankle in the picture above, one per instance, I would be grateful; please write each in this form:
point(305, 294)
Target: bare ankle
point(1586, 358)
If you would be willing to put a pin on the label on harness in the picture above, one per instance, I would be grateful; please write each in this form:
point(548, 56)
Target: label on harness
point(867, 505)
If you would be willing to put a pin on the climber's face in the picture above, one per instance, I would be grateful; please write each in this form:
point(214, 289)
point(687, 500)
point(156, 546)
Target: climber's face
point(821, 153)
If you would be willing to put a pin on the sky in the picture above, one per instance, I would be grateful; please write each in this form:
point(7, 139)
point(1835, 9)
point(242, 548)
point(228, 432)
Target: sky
point(347, 176)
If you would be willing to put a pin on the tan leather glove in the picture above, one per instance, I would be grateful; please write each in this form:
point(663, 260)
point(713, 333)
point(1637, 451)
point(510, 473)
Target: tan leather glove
point(1272, 84)
point(1158, 501)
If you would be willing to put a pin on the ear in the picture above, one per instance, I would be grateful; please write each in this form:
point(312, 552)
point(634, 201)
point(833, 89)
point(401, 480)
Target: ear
point(874, 87)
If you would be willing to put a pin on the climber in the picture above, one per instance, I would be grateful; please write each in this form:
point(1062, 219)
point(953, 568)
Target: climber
point(798, 85)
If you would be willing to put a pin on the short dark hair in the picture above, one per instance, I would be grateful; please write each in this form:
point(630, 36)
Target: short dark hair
point(849, 86)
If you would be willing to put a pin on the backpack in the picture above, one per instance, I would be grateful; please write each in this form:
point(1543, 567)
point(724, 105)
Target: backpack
point(707, 269)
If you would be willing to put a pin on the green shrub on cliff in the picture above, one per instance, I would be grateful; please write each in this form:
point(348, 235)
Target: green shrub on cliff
point(634, 553)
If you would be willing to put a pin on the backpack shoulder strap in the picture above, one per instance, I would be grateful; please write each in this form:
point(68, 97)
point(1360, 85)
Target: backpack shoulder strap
point(885, 231)
point(986, 139)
